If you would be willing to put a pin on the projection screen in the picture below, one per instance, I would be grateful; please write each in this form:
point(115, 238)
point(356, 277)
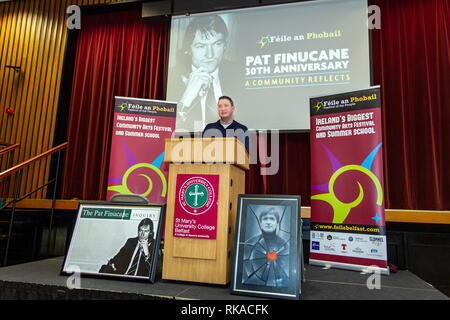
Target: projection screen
point(270, 60)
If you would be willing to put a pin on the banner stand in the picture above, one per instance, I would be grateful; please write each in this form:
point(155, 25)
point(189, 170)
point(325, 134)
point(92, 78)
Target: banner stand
point(348, 228)
point(140, 128)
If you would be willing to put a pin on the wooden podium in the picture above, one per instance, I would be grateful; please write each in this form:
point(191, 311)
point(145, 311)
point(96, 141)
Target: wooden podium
point(204, 260)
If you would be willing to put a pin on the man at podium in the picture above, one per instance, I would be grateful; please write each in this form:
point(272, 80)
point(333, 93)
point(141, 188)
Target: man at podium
point(218, 169)
point(226, 126)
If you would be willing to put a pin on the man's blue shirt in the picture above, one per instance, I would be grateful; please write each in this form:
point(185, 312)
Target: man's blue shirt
point(235, 129)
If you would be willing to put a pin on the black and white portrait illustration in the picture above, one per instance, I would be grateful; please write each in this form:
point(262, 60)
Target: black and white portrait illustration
point(116, 240)
point(267, 257)
point(266, 246)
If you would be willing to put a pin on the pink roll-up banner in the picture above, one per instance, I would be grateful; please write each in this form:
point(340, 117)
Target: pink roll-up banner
point(137, 147)
point(348, 228)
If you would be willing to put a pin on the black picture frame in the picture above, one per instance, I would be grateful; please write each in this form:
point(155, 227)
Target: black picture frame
point(107, 234)
point(268, 262)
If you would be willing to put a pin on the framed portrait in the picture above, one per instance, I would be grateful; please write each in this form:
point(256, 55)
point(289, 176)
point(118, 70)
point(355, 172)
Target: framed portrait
point(118, 240)
point(268, 256)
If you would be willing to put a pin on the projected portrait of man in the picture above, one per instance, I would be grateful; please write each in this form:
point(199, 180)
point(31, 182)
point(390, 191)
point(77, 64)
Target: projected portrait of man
point(266, 254)
point(201, 71)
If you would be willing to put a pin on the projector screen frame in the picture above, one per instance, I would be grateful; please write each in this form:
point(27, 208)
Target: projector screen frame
point(226, 9)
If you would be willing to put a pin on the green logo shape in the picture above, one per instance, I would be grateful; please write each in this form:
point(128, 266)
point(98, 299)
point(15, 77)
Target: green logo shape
point(196, 195)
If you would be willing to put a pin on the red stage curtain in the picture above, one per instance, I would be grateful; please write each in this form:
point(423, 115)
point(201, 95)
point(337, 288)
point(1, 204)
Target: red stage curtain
point(117, 55)
point(411, 62)
point(293, 176)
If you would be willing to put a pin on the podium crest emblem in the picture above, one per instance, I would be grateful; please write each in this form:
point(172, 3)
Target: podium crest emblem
point(196, 195)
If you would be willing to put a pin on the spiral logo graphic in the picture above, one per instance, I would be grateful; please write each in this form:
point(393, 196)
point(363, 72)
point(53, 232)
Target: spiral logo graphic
point(122, 183)
point(123, 188)
point(341, 209)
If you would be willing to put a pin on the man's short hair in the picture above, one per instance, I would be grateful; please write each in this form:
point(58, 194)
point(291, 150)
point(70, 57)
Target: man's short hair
point(146, 222)
point(205, 25)
point(271, 211)
point(228, 98)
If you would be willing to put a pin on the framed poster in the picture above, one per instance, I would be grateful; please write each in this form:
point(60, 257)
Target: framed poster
point(116, 240)
point(267, 258)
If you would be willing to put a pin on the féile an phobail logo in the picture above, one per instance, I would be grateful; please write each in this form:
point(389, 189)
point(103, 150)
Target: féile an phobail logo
point(196, 195)
point(263, 41)
point(123, 106)
point(318, 106)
